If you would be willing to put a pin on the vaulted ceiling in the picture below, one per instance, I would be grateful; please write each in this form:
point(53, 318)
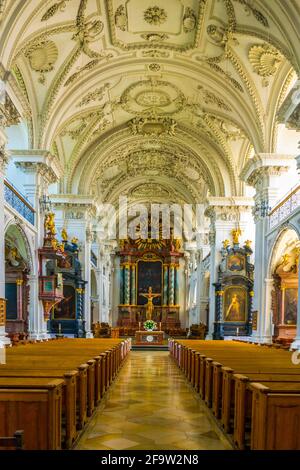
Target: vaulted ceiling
point(156, 99)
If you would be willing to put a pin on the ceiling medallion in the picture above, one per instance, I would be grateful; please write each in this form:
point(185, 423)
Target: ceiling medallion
point(152, 97)
point(42, 57)
point(153, 126)
point(154, 67)
point(149, 190)
point(265, 60)
point(155, 15)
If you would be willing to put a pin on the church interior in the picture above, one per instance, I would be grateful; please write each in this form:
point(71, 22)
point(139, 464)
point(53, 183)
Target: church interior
point(149, 225)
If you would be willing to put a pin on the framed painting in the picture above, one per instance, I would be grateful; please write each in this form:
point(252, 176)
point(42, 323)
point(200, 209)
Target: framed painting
point(235, 304)
point(66, 309)
point(290, 306)
point(236, 262)
point(149, 275)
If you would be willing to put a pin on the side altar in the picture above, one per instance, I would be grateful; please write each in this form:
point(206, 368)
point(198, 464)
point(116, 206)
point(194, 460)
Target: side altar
point(149, 282)
point(234, 289)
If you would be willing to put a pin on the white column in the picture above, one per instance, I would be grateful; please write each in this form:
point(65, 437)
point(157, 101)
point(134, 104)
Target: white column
point(40, 169)
point(87, 278)
point(263, 172)
point(212, 274)
point(267, 327)
point(3, 161)
point(296, 342)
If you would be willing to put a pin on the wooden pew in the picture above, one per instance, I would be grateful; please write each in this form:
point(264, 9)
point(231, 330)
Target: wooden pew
point(13, 443)
point(275, 417)
point(243, 399)
point(34, 405)
point(69, 401)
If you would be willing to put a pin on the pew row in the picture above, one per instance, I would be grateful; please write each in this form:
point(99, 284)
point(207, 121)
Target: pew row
point(85, 370)
point(223, 374)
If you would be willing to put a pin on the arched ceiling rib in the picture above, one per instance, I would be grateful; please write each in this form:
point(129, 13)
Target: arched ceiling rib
point(198, 77)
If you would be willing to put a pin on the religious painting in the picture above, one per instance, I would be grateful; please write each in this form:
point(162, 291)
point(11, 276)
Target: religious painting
point(236, 262)
point(66, 263)
point(290, 306)
point(149, 275)
point(66, 309)
point(235, 304)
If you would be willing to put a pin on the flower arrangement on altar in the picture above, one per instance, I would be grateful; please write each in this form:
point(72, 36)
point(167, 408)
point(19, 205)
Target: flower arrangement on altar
point(150, 325)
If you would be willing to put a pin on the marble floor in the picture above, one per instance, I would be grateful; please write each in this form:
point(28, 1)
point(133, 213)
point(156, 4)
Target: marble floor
point(151, 406)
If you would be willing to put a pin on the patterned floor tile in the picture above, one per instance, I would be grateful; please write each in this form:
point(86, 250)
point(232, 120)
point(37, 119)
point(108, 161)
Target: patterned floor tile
point(151, 407)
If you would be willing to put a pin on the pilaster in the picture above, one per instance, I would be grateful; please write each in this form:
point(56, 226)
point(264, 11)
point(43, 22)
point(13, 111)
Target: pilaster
point(263, 172)
point(4, 157)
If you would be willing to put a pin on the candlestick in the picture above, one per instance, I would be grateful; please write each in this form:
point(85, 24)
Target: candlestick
point(139, 326)
point(159, 326)
point(59, 328)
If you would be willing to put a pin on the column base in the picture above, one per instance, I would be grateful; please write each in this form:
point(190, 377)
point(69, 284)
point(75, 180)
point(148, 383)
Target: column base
point(89, 335)
point(296, 343)
point(264, 339)
point(209, 336)
point(38, 336)
point(4, 339)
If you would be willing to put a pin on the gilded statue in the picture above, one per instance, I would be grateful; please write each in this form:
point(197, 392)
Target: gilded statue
point(54, 244)
point(50, 224)
point(150, 307)
point(11, 257)
point(64, 235)
point(236, 233)
point(226, 243)
point(248, 243)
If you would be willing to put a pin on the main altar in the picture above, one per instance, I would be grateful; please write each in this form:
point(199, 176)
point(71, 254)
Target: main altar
point(149, 282)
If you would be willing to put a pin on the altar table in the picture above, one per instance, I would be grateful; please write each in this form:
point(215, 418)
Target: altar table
point(149, 337)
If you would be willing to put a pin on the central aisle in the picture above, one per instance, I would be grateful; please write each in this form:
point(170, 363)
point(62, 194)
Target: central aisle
point(150, 406)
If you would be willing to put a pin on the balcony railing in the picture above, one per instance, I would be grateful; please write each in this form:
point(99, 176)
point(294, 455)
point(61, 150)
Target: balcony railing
point(285, 207)
point(18, 202)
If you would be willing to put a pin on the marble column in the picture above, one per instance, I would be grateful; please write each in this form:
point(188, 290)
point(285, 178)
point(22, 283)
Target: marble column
point(87, 278)
point(263, 172)
point(132, 285)
point(199, 283)
point(127, 284)
point(166, 284)
point(171, 285)
point(176, 292)
point(296, 342)
point(122, 273)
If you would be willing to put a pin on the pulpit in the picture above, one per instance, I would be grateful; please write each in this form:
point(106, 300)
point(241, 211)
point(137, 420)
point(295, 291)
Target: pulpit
point(146, 337)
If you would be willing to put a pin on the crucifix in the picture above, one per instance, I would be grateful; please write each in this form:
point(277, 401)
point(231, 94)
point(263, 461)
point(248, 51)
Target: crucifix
point(150, 307)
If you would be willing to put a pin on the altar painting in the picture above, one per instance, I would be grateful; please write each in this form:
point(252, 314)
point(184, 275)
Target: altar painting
point(149, 275)
point(290, 306)
point(235, 304)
